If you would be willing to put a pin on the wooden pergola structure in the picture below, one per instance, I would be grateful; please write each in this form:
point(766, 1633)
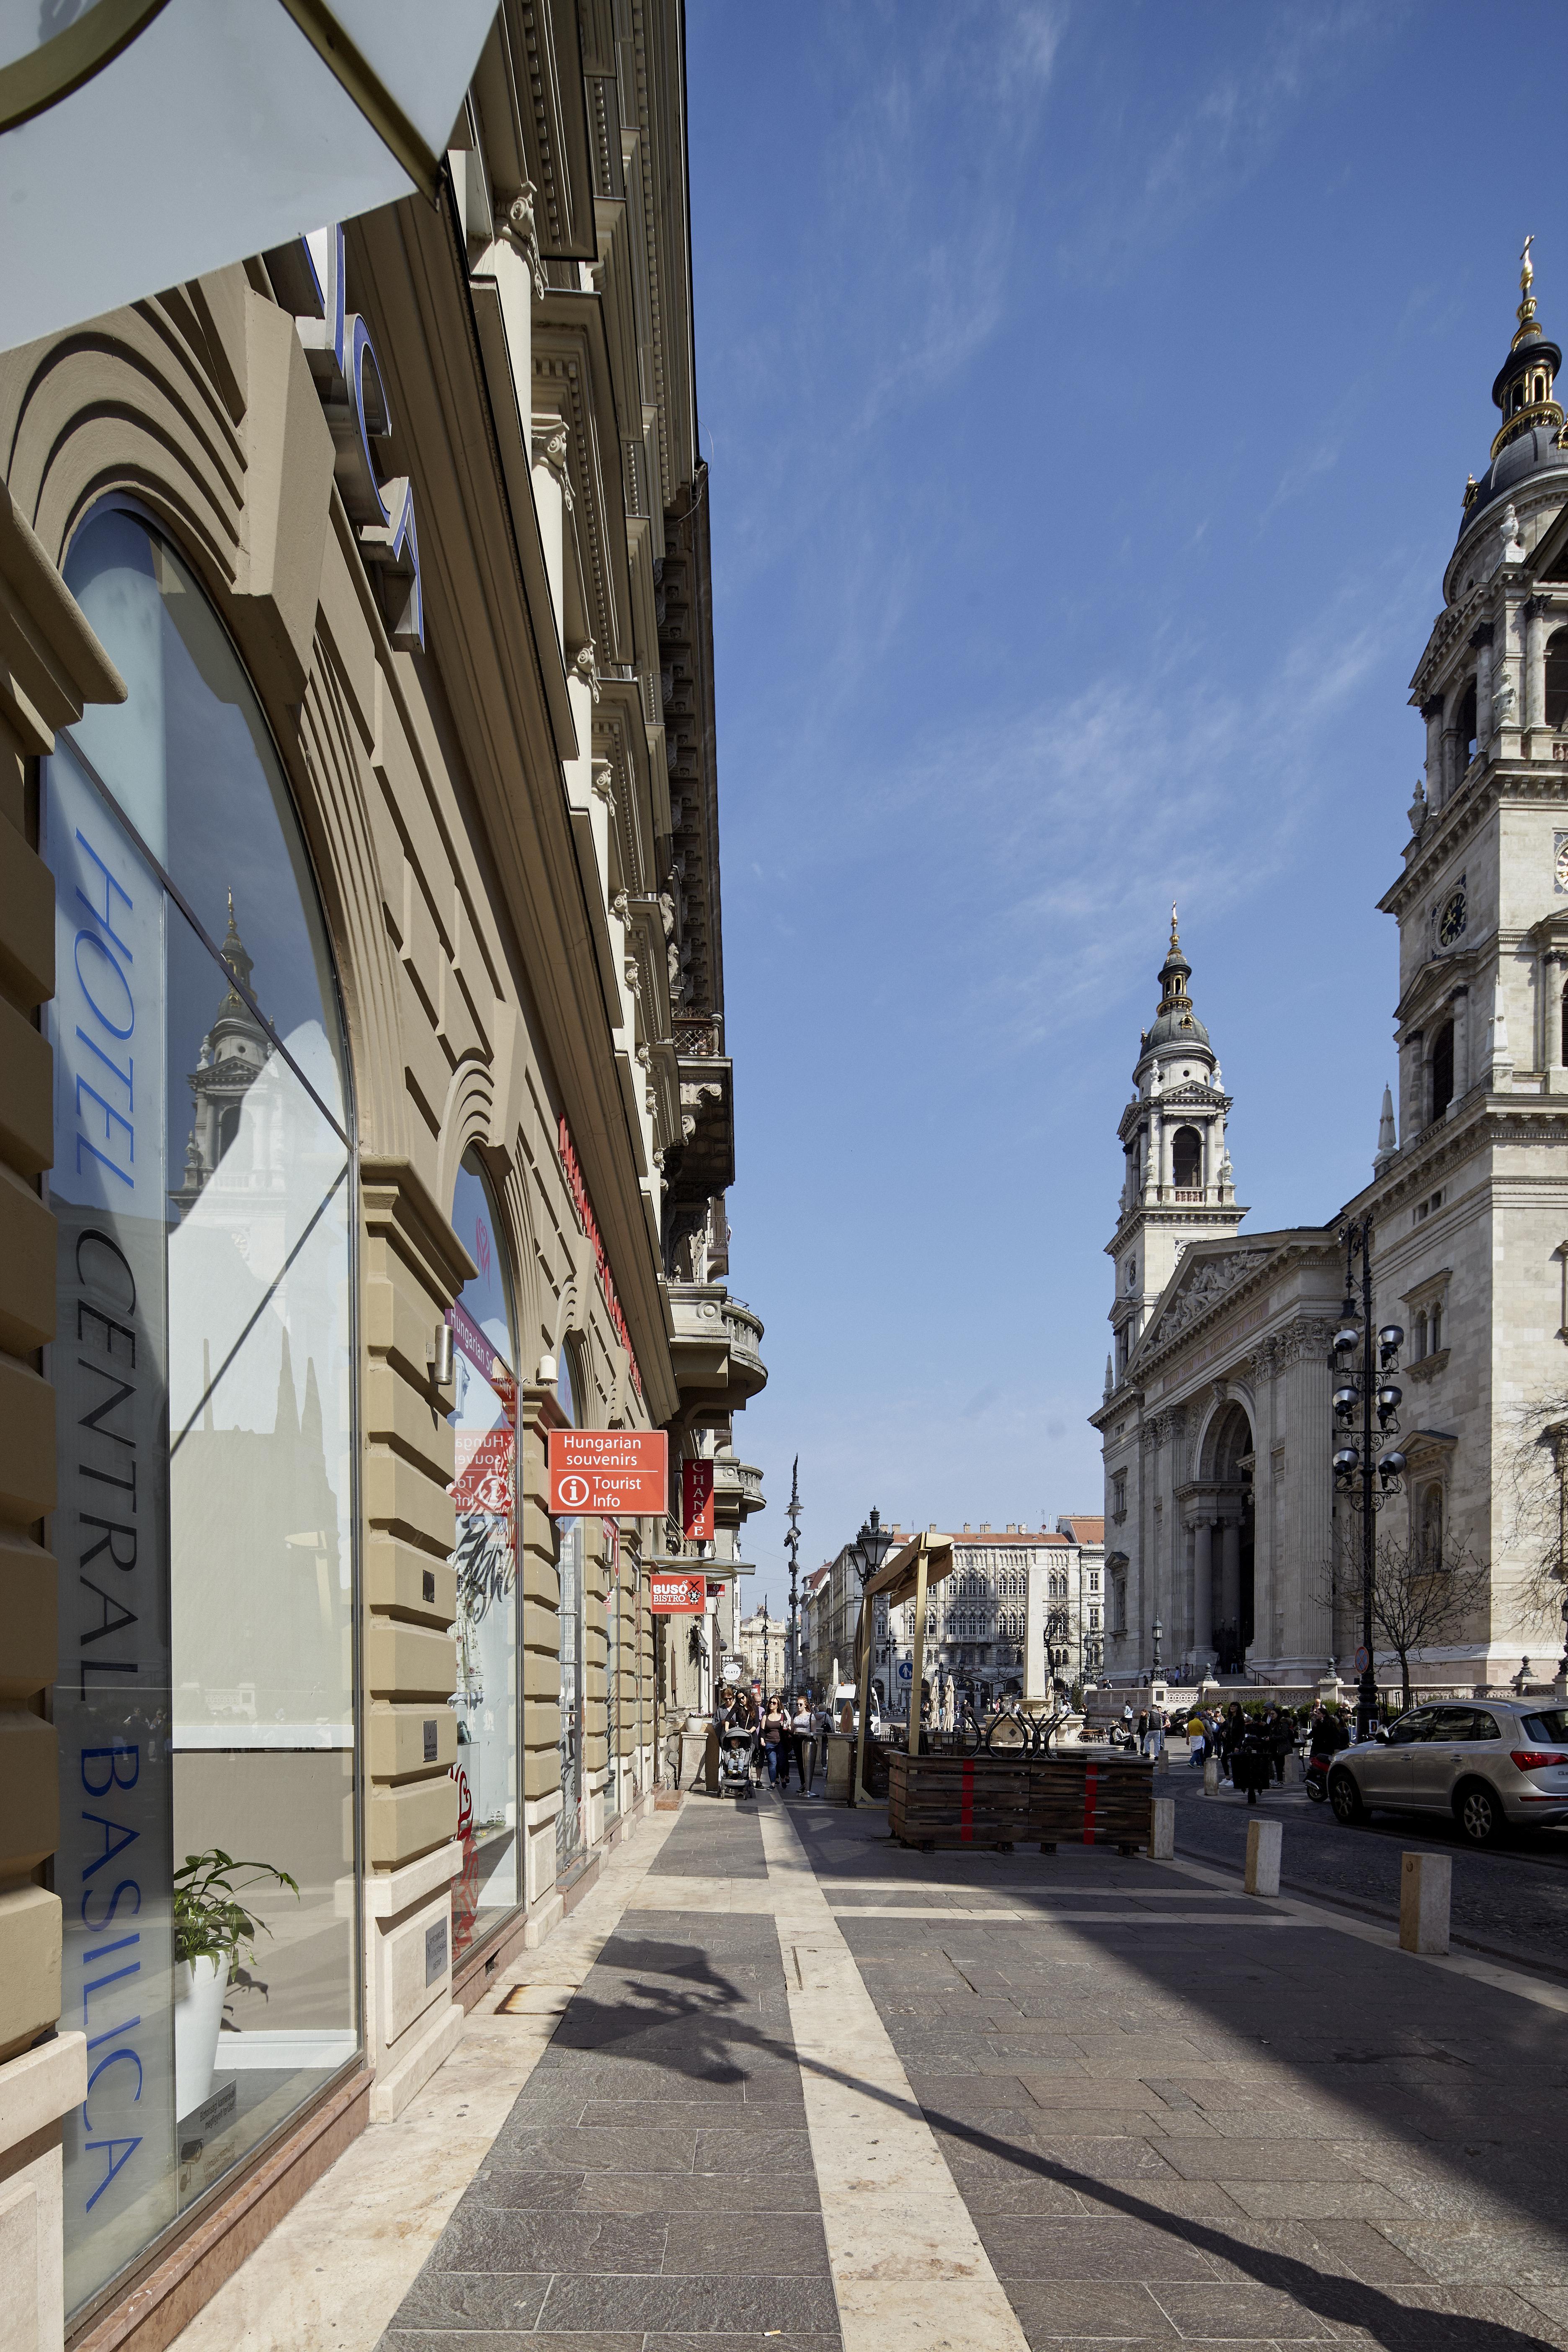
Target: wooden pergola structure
point(909, 1574)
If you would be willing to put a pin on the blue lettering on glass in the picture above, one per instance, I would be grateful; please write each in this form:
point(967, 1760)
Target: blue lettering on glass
point(91, 940)
point(108, 884)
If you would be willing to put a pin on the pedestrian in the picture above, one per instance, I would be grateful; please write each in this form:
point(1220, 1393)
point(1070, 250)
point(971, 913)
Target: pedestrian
point(1232, 1732)
point(773, 1734)
point(1253, 1760)
point(786, 1741)
point(805, 1746)
point(1284, 1741)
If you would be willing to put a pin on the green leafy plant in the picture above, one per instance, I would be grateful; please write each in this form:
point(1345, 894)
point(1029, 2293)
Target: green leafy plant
point(210, 1921)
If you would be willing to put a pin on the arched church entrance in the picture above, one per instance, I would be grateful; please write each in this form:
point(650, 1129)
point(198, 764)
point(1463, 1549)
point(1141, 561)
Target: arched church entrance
point(1229, 1471)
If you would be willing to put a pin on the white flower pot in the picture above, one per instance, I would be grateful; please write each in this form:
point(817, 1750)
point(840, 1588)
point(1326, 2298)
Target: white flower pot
point(199, 1988)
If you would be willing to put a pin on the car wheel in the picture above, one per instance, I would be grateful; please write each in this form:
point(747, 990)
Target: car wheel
point(1480, 1814)
point(1345, 1799)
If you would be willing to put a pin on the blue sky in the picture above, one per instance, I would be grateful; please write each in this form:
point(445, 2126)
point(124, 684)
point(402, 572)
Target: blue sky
point(1089, 393)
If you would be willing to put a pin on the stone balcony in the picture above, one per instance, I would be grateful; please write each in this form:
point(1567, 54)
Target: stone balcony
point(738, 1485)
point(715, 1344)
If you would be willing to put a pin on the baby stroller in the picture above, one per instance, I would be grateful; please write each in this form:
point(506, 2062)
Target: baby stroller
point(737, 1746)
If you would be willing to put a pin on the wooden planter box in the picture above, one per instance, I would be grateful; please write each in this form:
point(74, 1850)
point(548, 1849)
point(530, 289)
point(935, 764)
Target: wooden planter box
point(957, 1800)
point(1099, 1799)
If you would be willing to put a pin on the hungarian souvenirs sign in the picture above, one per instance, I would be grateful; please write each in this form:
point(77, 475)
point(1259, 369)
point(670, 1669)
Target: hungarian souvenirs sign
point(672, 1596)
point(611, 1470)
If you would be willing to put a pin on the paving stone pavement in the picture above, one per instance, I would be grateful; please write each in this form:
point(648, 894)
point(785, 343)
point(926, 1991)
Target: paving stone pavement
point(1171, 2114)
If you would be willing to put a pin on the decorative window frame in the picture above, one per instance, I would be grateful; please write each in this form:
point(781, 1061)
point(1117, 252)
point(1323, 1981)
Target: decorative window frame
point(1421, 1299)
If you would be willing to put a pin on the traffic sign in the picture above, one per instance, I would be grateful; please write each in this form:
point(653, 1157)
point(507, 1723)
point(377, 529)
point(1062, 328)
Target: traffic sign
point(1362, 1658)
point(674, 1596)
point(610, 1470)
point(906, 1670)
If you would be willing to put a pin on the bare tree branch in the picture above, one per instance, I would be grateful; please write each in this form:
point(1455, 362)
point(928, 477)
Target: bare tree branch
point(1418, 1601)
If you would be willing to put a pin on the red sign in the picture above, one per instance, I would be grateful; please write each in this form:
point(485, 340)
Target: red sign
point(697, 1501)
point(715, 1587)
point(611, 1470)
point(670, 1596)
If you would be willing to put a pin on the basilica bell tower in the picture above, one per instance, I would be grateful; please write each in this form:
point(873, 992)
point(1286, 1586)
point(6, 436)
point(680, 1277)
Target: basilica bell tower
point(1178, 1187)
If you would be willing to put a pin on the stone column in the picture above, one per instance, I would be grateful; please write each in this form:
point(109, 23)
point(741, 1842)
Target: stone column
point(1459, 1013)
point(1309, 1502)
point(1432, 713)
point(1230, 1573)
point(1203, 1587)
point(1453, 763)
point(1534, 611)
point(1551, 1013)
point(1480, 641)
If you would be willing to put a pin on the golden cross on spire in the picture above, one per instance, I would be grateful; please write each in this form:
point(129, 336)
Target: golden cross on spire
point(1526, 280)
point(1175, 943)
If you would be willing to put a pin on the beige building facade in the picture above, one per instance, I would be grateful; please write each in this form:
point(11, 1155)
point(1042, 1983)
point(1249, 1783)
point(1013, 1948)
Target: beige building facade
point(1221, 1517)
point(368, 1120)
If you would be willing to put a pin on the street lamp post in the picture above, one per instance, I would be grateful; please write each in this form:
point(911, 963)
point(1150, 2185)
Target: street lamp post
point(1371, 1387)
point(792, 1545)
point(872, 1545)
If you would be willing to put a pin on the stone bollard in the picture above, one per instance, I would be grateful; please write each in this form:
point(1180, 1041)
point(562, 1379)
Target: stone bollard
point(1295, 1770)
point(1425, 1882)
point(1263, 1843)
point(1211, 1776)
point(839, 1767)
point(1162, 1761)
point(1162, 1828)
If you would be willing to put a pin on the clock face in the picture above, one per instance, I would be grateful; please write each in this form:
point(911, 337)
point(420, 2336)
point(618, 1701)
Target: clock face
point(1452, 921)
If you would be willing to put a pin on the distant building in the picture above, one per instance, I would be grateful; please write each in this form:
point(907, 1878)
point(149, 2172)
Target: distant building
point(761, 1642)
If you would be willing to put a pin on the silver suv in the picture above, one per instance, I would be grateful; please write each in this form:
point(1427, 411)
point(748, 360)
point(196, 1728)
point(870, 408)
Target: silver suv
point(1486, 1765)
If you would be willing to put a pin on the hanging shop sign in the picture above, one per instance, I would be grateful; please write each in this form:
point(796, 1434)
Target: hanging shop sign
point(675, 1596)
point(697, 1501)
point(613, 1470)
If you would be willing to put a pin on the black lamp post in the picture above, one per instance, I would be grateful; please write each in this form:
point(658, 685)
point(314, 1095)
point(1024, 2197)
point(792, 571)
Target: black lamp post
point(1362, 1364)
point(792, 1544)
point(872, 1545)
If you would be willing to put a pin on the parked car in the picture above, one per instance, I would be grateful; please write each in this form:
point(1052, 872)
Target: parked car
point(1487, 1766)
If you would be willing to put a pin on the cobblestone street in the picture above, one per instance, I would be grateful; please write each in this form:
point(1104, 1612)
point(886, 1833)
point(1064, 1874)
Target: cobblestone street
point(809, 2090)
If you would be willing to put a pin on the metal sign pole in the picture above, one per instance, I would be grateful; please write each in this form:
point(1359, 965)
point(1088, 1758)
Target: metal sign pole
point(920, 1656)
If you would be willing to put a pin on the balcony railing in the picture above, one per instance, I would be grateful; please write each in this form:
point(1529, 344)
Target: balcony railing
point(745, 1329)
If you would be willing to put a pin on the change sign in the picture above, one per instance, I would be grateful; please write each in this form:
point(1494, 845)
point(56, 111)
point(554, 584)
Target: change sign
point(614, 1471)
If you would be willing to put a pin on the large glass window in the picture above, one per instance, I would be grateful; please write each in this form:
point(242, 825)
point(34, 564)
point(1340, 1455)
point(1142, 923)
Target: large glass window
point(485, 1699)
point(204, 1368)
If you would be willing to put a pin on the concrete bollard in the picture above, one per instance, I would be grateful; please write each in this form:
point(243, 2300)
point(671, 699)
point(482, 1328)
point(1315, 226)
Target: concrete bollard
point(1295, 1770)
point(1263, 1843)
point(1211, 1776)
point(1162, 1828)
point(1162, 1761)
point(1425, 1884)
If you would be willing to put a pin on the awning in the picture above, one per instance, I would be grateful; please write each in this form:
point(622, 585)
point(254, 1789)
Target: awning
point(149, 140)
point(895, 1581)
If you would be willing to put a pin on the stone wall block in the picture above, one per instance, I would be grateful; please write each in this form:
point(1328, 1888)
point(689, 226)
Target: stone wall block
point(30, 1981)
point(403, 1822)
point(29, 1777)
point(406, 1661)
point(29, 1648)
point(399, 1740)
point(410, 1421)
point(26, 1093)
point(406, 1501)
point(406, 1581)
point(27, 1444)
point(26, 1266)
point(27, 922)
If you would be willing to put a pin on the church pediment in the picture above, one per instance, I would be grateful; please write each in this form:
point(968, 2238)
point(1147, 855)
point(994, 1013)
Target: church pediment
point(1192, 1095)
point(1200, 1284)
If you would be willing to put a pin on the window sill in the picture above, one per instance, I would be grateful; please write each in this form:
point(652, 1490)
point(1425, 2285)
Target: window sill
point(1429, 1366)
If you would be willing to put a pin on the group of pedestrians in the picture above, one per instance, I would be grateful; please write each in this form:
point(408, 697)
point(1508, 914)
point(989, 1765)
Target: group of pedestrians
point(788, 1735)
point(1251, 1749)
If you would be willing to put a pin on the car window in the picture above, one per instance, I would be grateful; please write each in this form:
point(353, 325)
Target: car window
point(1417, 1725)
point(1486, 1725)
point(1551, 1725)
point(1457, 1723)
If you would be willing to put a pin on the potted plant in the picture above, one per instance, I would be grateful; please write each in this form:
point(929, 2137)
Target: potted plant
point(212, 1928)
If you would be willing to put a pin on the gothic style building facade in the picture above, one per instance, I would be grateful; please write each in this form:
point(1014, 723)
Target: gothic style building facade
point(1215, 1422)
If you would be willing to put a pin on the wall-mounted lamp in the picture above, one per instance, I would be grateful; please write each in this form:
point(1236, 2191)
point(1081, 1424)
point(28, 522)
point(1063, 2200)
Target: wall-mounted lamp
point(441, 1356)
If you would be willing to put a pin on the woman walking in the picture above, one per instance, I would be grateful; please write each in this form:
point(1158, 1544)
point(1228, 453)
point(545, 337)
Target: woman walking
point(805, 1746)
point(773, 1738)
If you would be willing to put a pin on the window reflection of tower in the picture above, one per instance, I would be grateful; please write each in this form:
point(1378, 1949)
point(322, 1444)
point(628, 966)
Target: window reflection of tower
point(235, 1052)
